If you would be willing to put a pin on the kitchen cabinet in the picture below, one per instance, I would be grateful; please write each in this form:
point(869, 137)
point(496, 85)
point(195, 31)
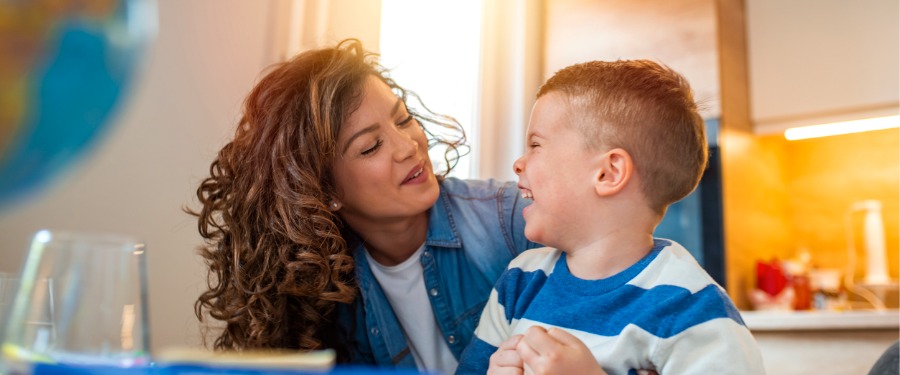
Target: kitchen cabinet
point(680, 34)
point(819, 61)
point(822, 342)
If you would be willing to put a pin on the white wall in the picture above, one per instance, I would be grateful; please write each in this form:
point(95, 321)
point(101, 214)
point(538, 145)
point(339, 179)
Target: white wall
point(182, 109)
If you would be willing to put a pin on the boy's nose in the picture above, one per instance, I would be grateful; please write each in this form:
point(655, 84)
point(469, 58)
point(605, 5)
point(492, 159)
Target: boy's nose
point(518, 166)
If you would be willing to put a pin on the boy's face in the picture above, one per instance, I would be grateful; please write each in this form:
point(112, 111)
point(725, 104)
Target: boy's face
point(556, 172)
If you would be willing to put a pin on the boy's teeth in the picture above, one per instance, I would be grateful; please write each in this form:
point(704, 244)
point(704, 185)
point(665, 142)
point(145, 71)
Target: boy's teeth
point(526, 194)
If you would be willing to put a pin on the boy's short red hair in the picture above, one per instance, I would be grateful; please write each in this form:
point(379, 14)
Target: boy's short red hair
point(648, 110)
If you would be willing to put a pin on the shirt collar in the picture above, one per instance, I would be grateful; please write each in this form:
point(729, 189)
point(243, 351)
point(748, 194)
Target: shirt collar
point(442, 230)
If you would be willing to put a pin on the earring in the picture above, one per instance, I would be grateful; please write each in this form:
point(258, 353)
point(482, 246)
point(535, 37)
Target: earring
point(335, 205)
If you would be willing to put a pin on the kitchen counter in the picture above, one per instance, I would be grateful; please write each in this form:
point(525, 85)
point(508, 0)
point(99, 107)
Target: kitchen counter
point(822, 342)
point(821, 320)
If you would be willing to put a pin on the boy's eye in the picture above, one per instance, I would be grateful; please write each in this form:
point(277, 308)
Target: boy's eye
point(372, 149)
point(533, 145)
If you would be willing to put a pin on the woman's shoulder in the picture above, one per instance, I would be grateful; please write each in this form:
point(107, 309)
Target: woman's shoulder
point(477, 189)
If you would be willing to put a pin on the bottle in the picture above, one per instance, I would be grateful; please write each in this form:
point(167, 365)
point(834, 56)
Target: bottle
point(798, 279)
point(873, 237)
point(802, 292)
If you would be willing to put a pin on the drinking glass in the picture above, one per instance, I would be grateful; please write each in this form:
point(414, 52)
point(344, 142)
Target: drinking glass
point(9, 283)
point(82, 299)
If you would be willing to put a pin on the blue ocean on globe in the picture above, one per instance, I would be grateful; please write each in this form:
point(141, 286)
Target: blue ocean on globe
point(65, 69)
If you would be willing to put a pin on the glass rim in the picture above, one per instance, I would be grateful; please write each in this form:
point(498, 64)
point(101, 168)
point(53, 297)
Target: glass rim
point(47, 236)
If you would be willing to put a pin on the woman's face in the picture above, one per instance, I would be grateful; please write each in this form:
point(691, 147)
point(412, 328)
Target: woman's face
point(382, 171)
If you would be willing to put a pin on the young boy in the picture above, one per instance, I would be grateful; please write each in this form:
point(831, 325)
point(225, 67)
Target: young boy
point(609, 146)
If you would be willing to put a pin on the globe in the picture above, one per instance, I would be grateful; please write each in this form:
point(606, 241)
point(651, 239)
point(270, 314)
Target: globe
point(65, 67)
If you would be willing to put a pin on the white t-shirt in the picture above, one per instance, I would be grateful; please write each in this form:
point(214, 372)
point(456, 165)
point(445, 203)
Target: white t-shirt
point(404, 285)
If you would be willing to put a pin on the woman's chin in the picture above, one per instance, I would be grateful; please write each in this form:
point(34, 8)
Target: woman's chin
point(430, 192)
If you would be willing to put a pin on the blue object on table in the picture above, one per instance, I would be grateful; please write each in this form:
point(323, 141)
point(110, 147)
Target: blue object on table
point(58, 369)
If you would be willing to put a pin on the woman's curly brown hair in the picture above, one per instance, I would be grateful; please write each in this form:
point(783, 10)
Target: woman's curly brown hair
point(278, 262)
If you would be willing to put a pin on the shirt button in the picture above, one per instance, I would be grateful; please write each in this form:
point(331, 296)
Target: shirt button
point(426, 254)
point(433, 292)
point(374, 331)
point(451, 339)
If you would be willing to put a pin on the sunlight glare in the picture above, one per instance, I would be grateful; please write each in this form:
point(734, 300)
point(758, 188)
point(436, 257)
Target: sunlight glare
point(433, 49)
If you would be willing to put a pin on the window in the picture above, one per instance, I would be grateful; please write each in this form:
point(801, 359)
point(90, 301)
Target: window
point(432, 48)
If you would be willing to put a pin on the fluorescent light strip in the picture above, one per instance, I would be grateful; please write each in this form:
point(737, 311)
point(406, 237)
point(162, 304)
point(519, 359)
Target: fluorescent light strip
point(845, 127)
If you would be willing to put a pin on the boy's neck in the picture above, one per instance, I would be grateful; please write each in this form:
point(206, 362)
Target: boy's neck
point(621, 239)
point(609, 255)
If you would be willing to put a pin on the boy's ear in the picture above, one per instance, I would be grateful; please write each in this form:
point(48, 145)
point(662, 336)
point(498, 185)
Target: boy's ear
point(616, 169)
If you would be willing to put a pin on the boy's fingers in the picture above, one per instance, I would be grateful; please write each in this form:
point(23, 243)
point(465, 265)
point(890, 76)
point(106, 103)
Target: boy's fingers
point(505, 371)
point(526, 352)
point(510, 343)
point(507, 358)
point(540, 341)
point(563, 337)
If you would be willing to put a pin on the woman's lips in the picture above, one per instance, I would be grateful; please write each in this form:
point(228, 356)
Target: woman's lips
point(415, 176)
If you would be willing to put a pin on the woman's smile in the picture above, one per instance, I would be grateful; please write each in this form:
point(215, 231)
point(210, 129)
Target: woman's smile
point(415, 176)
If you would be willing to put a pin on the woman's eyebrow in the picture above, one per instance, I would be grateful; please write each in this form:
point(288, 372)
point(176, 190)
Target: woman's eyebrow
point(370, 128)
point(367, 129)
point(396, 107)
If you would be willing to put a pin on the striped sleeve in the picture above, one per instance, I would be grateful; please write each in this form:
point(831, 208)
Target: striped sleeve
point(718, 346)
point(493, 329)
point(703, 332)
point(476, 357)
point(516, 286)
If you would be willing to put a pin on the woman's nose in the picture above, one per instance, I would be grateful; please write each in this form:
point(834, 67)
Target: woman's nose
point(406, 146)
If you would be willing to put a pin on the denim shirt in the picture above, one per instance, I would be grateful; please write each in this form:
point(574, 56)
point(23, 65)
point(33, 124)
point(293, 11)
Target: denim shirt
point(475, 229)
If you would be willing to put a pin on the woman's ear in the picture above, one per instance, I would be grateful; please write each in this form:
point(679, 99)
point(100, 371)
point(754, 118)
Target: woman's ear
point(616, 169)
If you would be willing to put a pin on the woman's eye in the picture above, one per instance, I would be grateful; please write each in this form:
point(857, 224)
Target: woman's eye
point(408, 120)
point(533, 145)
point(372, 149)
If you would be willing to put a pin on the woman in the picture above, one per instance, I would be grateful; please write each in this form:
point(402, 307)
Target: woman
point(327, 227)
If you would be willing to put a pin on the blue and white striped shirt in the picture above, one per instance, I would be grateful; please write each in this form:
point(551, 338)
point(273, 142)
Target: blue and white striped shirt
point(663, 313)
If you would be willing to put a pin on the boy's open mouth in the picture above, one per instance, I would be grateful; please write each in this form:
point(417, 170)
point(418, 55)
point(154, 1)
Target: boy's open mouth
point(526, 194)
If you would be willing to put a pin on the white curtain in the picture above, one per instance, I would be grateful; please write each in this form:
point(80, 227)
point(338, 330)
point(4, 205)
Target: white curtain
point(511, 69)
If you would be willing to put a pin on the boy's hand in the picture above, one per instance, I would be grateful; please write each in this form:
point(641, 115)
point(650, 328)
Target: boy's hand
point(506, 361)
point(555, 351)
